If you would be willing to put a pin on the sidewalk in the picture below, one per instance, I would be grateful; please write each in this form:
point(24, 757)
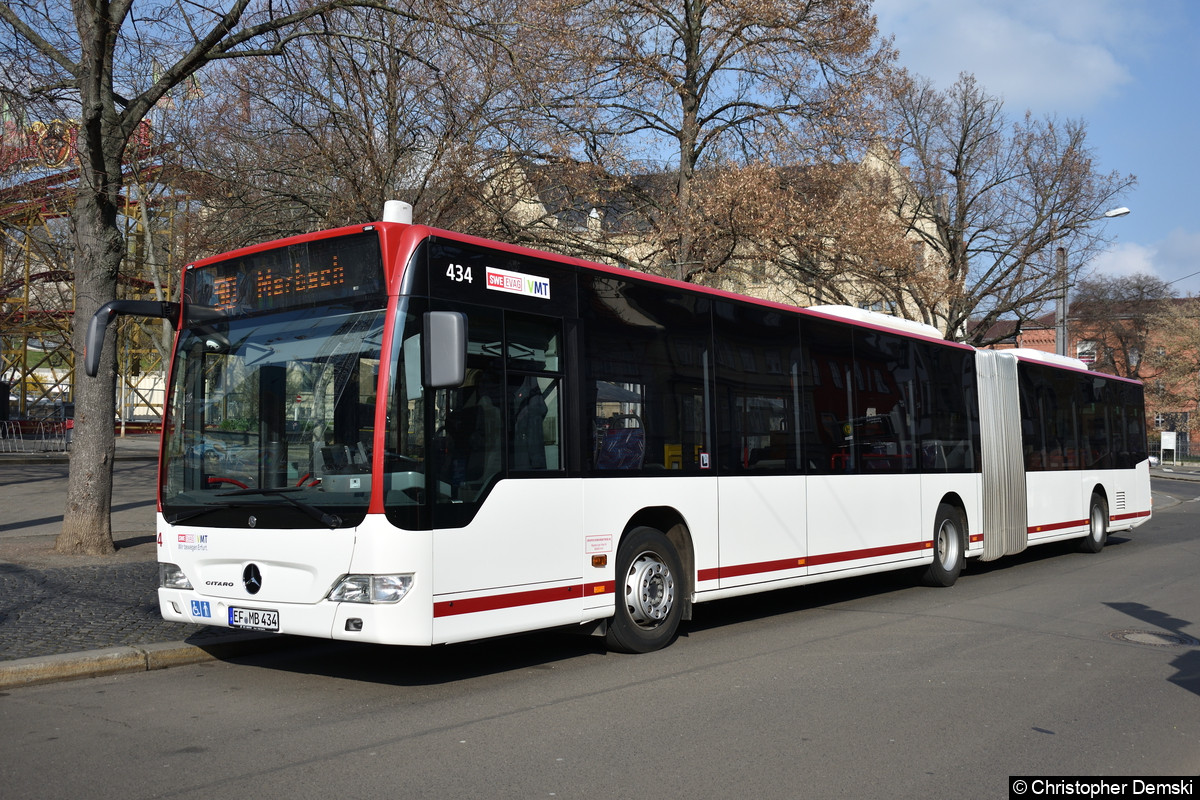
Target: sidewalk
point(32, 450)
point(64, 617)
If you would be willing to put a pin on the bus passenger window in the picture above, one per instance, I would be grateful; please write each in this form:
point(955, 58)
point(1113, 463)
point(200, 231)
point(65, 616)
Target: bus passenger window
point(533, 404)
point(532, 348)
point(469, 419)
point(647, 353)
point(618, 438)
point(472, 431)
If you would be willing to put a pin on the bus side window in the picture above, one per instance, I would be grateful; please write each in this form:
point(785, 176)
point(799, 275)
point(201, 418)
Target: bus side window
point(534, 410)
point(472, 431)
point(647, 354)
point(883, 403)
point(827, 386)
point(620, 439)
point(758, 392)
point(533, 347)
point(469, 419)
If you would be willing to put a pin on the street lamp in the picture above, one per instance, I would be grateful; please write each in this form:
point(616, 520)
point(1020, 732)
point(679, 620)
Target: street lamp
point(1060, 305)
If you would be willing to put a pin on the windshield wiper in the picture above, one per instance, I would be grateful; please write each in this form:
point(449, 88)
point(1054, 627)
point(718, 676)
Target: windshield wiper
point(330, 520)
point(195, 512)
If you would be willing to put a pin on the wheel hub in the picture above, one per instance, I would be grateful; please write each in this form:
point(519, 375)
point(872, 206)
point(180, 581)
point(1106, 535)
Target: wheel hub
point(947, 544)
point(649, 590)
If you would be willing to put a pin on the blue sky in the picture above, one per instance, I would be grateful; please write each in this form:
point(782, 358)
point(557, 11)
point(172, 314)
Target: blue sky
point(1129, 69)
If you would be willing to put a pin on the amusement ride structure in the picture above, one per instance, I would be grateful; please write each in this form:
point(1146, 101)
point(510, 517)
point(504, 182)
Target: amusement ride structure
point(38, 180)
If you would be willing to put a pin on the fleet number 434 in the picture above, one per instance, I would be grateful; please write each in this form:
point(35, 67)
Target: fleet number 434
point(458, 273)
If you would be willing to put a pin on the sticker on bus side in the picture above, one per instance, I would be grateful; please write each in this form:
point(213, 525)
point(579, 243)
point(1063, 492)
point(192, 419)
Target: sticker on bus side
point(502, 280)
point(598, 544)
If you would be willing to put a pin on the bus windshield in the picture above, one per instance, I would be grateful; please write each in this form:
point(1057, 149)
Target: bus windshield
point(273, 411)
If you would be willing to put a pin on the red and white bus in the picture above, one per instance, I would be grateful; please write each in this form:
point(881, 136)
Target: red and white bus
point(391, 433)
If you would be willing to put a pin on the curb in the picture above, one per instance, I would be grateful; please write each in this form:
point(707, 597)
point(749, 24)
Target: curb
point(1171, 475)
point(25, 459)
point(132, 658)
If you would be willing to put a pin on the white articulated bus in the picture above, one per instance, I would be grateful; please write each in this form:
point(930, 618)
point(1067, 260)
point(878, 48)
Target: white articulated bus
point(391, 433)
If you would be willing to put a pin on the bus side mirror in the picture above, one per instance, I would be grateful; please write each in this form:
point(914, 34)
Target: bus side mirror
point(99, 324)
point(445, 349)
point(95, 340)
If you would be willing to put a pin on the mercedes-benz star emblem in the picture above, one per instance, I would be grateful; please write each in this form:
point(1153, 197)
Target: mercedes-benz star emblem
point(252, 578)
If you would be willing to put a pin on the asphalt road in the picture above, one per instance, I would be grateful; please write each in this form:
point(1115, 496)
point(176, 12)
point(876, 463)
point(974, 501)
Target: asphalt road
point(1051, 663)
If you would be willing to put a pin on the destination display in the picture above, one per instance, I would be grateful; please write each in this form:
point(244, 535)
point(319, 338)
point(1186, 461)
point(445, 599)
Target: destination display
point(307, 274)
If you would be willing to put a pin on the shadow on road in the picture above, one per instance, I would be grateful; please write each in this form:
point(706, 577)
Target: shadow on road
point(1187, 666)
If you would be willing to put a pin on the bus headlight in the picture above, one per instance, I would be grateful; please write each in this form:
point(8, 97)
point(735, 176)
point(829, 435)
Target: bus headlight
point(371, 588)
point(170, 576)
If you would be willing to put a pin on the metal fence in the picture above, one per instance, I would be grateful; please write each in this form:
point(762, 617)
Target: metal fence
point(42, 436)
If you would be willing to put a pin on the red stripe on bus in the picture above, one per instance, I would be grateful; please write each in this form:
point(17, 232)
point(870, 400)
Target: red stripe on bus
point(737, 570)
point(1057, 526)
point(1131, 515)
point(870, 552)
point(494, 602)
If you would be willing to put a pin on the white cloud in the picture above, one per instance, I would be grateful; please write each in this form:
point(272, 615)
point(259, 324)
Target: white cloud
point(1180, 251)
point(1059, 57)
point(1175, 259)
point(1126, 259)
point(1178, 259)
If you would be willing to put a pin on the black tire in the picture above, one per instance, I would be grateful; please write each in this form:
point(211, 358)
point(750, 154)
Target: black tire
point(1097, 535)
point(649, 590)
point(949, 547)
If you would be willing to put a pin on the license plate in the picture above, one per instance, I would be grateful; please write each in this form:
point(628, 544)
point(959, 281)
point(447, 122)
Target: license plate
point(255, 619)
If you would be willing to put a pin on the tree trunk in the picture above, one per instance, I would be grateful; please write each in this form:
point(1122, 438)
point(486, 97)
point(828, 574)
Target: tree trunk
point(87, 524)
point(99, 249)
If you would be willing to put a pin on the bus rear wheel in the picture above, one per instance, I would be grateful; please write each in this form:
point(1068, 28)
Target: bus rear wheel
point(949, 550)
point(649, 593)
point(1097, 535)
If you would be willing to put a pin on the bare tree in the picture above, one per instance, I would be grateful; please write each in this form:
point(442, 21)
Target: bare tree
point(993, 199)
point(674, 106)
point(93, 61)
point(830, 235)
point(1173, 355)
point(326, 133)
point(1116, 315)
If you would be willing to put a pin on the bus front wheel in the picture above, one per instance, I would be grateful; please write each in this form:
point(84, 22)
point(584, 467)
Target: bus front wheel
point(1097, 535)
point(949, 552)
point(649, 586)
